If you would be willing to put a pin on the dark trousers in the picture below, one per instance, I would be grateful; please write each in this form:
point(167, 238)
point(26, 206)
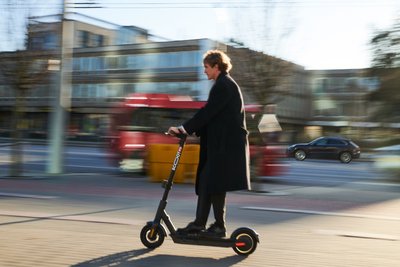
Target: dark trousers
point(204, 203)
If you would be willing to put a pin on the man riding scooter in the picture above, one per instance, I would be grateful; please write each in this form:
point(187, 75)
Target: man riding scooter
point(224, 151)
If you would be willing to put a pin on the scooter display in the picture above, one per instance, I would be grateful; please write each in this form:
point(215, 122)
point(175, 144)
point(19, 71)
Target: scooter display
point(243, 240)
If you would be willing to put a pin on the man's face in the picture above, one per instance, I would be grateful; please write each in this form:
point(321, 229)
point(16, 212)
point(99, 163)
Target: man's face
point(211, 72)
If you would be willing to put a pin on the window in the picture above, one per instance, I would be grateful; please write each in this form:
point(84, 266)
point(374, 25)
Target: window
point(153, 60)
point(370, 83)
point(36, 43)
point(321, 142)
point(85, 63)
point(75, 90)
point(128, 88)
point(3, 91)
point(97, 63)
point(76, 64)
point(166, 60)
point(131, 62)
point(97, 40)
point(112, 62)
point(83, 39)
point(352, 83)
point(114, 90)
point(335, 142)
point(101, 90)
point(84, 91)
point(50, 41)
point(322, 85)
point(92, 91)
point(148, 61)
point(336, 83)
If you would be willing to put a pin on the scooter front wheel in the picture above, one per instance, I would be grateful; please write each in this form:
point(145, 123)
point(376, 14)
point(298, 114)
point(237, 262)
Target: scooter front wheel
point(245, 241)
point(152, 236)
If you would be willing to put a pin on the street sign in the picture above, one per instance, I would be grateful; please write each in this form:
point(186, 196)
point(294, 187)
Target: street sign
point(269, 123)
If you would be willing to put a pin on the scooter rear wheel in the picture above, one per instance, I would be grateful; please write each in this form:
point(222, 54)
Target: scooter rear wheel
point(152, 237)
point(245, 241)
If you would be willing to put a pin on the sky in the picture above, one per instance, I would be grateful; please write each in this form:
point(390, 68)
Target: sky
point(316, 34)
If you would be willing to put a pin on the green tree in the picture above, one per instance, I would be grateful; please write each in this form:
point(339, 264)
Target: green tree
point(386, 65)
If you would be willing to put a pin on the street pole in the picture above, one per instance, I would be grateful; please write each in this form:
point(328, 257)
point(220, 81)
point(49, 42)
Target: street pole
point(62, 99)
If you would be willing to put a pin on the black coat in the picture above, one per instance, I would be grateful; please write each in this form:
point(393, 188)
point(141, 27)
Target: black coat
point(224, 151)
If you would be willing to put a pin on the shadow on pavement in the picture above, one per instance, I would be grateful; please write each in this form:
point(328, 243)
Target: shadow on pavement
point(133, 258)
point(68, 217)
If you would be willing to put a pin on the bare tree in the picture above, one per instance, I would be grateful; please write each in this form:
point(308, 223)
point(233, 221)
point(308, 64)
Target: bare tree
point(263, 78)
point(19, 72)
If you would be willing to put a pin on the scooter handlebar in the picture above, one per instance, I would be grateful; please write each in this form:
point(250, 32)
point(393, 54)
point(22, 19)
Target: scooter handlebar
point(179, 135)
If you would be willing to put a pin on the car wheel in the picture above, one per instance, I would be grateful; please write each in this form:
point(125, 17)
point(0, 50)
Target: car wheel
point(345, 157)
point(300, 154)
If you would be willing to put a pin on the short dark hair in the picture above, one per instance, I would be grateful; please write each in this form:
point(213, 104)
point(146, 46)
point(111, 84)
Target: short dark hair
point(217, 57)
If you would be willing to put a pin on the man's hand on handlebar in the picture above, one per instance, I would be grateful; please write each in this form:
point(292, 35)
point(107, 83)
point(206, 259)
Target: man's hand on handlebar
point(174, 131)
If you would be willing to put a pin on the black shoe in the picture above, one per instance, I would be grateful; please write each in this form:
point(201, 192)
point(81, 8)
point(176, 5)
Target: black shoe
point(215, 231)
point(191, 228)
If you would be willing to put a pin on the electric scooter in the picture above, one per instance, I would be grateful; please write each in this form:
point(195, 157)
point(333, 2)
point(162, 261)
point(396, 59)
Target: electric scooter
point(243, 240)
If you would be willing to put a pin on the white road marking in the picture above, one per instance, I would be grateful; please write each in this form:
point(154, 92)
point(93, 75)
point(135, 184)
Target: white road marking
point(74, 166)
point(4, 194)
point(325, 213)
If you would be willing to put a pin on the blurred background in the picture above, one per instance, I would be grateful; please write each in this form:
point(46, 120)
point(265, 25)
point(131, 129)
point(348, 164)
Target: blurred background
point(84, 71)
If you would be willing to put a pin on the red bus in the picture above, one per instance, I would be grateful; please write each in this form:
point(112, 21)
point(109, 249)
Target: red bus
point(142, 118)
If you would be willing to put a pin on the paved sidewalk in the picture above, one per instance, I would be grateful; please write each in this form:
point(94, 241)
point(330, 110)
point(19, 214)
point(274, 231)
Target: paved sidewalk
point(96, 221)
point(71, 243)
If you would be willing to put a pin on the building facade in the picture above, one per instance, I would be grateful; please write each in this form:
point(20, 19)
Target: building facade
point(107, 65)
point(340, 101)
point(109, 62)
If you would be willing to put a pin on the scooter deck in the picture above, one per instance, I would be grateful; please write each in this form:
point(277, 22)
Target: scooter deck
point(198, 239)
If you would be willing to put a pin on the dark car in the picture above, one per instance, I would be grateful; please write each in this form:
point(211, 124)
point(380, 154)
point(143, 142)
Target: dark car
point(326, 148)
